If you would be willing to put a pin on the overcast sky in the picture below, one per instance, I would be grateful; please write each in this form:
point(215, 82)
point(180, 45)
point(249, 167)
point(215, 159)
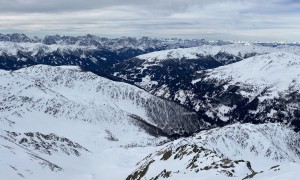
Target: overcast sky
point(265, 20)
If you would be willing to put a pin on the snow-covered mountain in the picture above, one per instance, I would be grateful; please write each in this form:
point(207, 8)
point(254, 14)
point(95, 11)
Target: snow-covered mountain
point(70, 92)
point(18, 38)
point(262, 72)
point(14, 56)
point(75, 122)
point(219, 94)
point(260, 89)
point(62, 123)
point(237, 50)
point(167, 73)
point(12, 48)
point(96, 54)
point(119, 44)
point(231, 152)
point(169, 67)
point(113, 44)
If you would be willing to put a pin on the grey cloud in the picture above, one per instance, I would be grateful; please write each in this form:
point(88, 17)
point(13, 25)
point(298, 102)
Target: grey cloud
point(217, 19)
point(49, 6)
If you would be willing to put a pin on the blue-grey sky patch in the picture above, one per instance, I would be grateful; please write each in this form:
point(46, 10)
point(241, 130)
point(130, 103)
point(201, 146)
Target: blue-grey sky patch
point(269, 20)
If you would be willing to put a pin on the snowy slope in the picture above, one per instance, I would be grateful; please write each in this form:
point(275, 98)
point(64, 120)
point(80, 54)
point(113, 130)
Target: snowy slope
point(224, 84)
point(233, 152)
point(258, 89)
point(169, 73)
point(276, 71)
point(62, 123)
point(271, 142)
point(58, 90)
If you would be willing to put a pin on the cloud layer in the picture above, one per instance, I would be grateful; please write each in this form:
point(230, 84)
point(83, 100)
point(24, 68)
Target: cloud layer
point(218, 19)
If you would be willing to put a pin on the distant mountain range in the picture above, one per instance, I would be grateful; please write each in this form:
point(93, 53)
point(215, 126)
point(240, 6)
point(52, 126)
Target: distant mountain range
point(113, 44)
point(92, 52)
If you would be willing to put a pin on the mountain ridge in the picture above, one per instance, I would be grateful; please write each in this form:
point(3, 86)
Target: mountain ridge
point(232, 152)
